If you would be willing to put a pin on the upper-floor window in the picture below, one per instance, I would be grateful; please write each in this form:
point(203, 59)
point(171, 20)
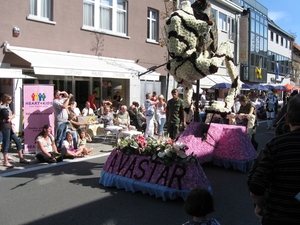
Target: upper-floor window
point(41, 9)
point(108, 15)
point(222, 21)
point(231, 28)
point(272, 36)
point(282, 40)
point(277, 39)
point(152, 25)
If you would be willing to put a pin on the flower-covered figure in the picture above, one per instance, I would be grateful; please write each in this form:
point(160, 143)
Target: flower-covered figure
point(190, 60)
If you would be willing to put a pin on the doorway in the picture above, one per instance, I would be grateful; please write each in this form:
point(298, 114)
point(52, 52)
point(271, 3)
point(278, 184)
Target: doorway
point(81, 93)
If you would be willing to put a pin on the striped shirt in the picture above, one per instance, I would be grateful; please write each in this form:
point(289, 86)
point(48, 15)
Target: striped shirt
point(279, 169)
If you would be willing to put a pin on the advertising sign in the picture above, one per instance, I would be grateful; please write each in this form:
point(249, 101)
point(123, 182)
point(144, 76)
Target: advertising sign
point(38, 111)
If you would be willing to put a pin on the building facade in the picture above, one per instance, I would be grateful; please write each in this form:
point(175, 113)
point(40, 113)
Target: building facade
point(265, 49)
point(79, 45)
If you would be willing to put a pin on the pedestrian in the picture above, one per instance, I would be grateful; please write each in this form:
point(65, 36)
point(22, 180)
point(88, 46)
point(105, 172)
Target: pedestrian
point(281, 116)
point(149, 113)
point(92, 100)
point(278, 172)
point(203, 99)
point(45, 147)
point(199, 204)
point(6, 117)
point(271, 107)
point(174, 115)
point(247, 108)
point(153, 97)
point(60, 106)
point(117, 101)
point(161, 107)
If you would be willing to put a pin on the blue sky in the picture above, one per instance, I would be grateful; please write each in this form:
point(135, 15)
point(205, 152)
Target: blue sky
point(285, 14)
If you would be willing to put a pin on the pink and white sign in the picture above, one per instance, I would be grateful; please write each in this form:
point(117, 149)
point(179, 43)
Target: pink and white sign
point(38, 111)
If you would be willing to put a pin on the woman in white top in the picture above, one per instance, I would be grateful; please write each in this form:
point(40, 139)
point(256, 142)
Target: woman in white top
point(45, 148)
point(161, 115)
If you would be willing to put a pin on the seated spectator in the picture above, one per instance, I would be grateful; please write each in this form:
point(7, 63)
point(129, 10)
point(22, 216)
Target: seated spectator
point(74, 126)
point(88, 111)
point(124, 118)
point(132, 114)
point(45, 148)
point(74, 123)
point(84, 137)
point(71, 151)
point(73, 108)
point(141, 119)
point(107, 118)
point(105, 103)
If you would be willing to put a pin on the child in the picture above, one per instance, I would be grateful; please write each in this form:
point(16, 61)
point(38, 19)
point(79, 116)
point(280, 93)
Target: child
point(69, 145)
point(83, 138)
point(198, 204)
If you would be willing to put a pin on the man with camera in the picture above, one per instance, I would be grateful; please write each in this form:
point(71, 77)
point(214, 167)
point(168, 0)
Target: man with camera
point(60, 106)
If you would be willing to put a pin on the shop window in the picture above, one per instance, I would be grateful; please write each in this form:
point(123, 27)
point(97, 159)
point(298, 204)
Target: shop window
point(152, 25)
point(41, 9)
point(106, 15)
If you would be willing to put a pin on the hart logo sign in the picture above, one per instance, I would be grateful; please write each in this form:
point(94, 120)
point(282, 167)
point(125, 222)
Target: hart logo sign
point(38, 111)
point(38, 99)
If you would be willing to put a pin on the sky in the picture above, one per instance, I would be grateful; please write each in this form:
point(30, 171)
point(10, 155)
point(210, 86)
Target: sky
point(285, 14)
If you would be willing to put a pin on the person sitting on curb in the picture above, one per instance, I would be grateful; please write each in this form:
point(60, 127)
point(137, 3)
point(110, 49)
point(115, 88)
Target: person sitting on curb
point(45, 148)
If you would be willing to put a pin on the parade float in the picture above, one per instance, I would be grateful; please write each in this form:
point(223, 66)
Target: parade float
point(171, 170)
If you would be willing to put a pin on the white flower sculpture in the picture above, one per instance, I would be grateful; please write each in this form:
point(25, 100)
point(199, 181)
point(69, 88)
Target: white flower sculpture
point(188, 62)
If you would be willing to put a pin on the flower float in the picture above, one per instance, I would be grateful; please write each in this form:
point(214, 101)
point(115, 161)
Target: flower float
point(166, 151)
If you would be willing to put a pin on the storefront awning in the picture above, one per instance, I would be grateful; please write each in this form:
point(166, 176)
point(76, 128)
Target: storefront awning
point(211, 80)
point(14, 74)
point(46, 62)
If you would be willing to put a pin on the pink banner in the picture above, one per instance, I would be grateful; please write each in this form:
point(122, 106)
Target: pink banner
point(38, 111)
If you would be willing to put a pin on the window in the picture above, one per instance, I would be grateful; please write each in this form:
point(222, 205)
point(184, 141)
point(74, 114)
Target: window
point(277, 39)
point(152, 25)
point(222, 22)
point(41, 9)
point(231, 29)
point(272, 36)
point(282, 40)
point(107, 15)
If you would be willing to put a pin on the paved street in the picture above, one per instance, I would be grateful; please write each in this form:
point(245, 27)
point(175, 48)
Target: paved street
point(69, 193)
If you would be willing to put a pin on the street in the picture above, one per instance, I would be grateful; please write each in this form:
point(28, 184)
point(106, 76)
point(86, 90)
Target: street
point(69, 193)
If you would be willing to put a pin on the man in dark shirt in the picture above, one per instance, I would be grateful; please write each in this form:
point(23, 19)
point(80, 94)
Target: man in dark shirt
point(175, 115)
point(279, 171)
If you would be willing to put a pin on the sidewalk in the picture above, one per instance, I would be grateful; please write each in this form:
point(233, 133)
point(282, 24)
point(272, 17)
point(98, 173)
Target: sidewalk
point(100, 148)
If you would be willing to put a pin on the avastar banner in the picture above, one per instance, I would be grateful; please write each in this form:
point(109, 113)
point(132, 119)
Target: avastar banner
point(38, 111)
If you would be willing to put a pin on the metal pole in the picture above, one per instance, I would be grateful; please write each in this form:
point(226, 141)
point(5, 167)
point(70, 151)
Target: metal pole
point(196, 113)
